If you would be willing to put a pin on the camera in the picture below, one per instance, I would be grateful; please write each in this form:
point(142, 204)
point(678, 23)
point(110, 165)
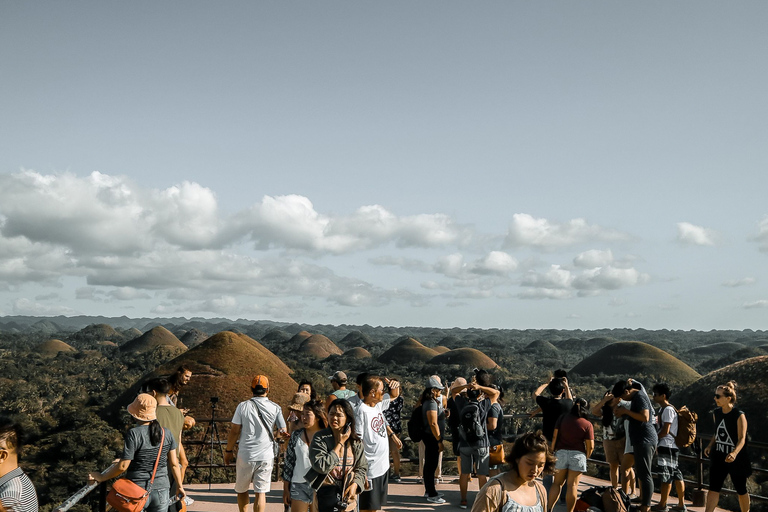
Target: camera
point(214, 400)
point(341, 505)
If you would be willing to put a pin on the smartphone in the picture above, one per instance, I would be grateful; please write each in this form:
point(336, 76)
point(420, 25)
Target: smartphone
point(346, 428)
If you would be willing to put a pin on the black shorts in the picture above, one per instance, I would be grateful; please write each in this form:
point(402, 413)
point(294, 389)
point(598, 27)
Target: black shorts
point(376, 497)
point(738, 470)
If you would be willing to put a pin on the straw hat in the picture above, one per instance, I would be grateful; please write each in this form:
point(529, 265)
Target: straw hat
point(144, 408)
point(298, 401)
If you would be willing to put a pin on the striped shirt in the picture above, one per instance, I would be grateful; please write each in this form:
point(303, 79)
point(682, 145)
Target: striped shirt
point(139, 450)
point(17, 494)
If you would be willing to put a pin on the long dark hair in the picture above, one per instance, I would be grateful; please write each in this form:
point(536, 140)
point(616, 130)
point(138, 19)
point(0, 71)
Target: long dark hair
point(316, 406)
point(349, 413)
point(155, 432)
point(426, 395)
point(617, 391)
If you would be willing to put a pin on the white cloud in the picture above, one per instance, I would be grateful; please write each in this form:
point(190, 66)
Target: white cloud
point(452, 265)
point(545, 293)
point(763, 303)
point(554, 278)
point(609, 278)
point(692, 234)
point(558, 282)
point(496, 262)
point(593, 258)
point(127, 293)
point(762, 234)
point(733, 283)
point(223, 305)
point(411, 264)
point(528, 231)
point(102, 214)
point(291, 221)
point(31, 308)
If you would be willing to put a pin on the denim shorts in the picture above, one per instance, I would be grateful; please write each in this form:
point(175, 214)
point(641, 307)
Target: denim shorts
point(571, 459)
point(302, 491)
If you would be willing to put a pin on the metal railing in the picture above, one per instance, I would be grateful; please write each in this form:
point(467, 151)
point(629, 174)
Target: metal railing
point(100, 505)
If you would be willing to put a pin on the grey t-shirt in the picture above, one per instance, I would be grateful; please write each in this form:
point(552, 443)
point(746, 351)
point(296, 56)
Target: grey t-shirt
point(143, 454)
point(437, 406)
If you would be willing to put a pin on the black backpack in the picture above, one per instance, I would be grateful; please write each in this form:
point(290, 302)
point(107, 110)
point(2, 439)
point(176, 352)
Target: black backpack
point(472, 423)
point(416, 425)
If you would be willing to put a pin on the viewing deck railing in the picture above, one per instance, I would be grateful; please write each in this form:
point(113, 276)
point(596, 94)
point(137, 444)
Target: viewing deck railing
point(99, 504)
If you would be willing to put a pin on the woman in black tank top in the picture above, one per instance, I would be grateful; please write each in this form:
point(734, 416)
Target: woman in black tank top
point(727, 449)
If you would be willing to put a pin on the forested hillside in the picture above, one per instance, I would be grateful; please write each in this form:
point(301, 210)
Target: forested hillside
point(61, 377)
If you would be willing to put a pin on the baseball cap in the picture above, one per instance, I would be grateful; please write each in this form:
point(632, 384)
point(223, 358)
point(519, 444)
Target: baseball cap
point(260, 382)
point(434, 382)
point(339, 377)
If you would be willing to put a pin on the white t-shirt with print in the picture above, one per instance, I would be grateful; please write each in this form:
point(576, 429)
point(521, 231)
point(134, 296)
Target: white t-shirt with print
point(372, 429)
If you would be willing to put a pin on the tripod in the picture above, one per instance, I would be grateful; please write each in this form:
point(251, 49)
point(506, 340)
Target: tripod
point(211, 430)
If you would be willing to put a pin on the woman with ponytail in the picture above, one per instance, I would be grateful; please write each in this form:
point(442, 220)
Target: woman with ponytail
point(727, 450)
point(140, 453)
point(572, 441)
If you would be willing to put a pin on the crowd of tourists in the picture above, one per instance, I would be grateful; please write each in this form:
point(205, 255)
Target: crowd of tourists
point(341, 453)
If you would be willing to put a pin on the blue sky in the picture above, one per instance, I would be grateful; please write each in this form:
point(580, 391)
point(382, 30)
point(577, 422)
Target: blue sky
point(504, 164)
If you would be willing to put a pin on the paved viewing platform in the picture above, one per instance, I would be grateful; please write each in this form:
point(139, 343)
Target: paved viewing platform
point(406, 495)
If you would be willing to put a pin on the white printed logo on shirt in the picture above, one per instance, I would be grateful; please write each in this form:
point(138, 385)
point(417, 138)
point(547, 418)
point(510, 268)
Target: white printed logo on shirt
point(723, 443)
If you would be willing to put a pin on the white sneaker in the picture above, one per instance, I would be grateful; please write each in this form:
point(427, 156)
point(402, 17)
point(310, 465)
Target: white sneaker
point(436, 499)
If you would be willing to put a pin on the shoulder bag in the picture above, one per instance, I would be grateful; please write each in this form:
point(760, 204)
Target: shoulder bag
point(126, 496)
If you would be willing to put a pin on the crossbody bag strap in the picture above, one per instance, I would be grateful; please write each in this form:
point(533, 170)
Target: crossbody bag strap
point(157, 460)
point(344, 472)
point(263, 422)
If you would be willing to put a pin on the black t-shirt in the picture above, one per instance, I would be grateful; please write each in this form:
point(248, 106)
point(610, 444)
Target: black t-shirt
point(552, 408)
point(453, 419)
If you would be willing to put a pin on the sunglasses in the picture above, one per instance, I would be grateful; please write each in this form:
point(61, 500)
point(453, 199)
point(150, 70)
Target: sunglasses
point(718, 396)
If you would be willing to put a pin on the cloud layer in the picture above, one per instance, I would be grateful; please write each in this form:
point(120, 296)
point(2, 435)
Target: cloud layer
point(175, 249)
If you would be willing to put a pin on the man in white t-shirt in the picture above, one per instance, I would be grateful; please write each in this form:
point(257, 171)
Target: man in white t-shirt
point(253, 424)
point(375, 433)
point(667, 451)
